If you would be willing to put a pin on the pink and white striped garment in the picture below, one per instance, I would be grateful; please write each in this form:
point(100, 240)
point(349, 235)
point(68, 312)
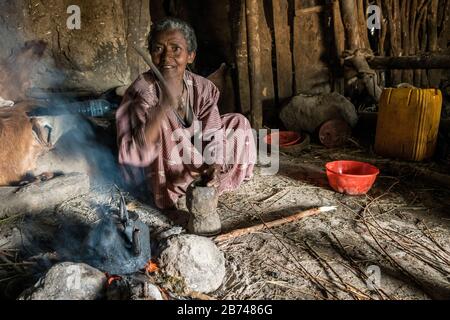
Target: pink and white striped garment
point(172, 164)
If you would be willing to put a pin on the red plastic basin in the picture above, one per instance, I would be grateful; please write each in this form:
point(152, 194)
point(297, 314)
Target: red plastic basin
point(351, 177)
point(286, 138)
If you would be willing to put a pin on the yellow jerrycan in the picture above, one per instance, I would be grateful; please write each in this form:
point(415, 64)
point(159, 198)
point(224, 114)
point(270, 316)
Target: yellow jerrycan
point(408, 123)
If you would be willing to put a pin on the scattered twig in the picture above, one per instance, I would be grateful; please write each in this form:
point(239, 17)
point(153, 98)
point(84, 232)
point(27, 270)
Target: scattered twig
point(11, 278)
point(355, 293)
point(418, 256)
point(11, 218)
point(323, 289)
point(420, 244)
point(429, 235)
point(356, 267)
point(199, 296)
point(392, 260)
point(289, 286)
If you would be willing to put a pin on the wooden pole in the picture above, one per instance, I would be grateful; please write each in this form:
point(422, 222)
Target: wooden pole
point(432, 26)
point(338, 28)
point(349, 10)
point(242, 62)
point(272, 224)
point(339, 40)
point(434, 76)
point(350, 20)
point(266, 77)
point(283, 49)
point(362, 23)
point(256, 116)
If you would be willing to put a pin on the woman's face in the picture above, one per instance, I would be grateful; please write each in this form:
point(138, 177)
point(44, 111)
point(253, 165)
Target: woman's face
point(170, 54)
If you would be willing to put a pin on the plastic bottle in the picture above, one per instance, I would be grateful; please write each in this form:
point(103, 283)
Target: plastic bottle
point(94, 108)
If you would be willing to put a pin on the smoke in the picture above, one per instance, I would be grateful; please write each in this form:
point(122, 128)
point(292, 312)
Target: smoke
point(14, 38)
point(80, 143)
point(8, 32)
point(29, 71)
point(80, 146)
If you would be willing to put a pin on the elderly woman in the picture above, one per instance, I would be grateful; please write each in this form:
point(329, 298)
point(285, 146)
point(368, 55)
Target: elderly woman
point(176, 143)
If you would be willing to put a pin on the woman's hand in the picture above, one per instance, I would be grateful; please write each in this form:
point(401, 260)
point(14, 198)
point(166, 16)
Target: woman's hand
point(212, 175)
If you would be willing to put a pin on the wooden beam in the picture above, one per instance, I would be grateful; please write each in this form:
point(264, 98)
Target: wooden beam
point(339, 46)
point(351, 25)
point(411, 62)
point(282, 48)
point(311, 68)
point(355, 43)
point(338, 28)
point(256, 117)
point(267, 70)
point(242, 62)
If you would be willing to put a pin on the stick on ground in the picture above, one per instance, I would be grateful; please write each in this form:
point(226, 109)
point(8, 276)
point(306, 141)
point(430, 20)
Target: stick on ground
point(272, 224)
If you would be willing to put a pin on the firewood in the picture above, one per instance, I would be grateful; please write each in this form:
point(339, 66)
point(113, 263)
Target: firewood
point(275, 223)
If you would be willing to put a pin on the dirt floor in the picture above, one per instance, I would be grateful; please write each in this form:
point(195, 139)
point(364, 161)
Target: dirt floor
point(400, 226)
point(389, 244)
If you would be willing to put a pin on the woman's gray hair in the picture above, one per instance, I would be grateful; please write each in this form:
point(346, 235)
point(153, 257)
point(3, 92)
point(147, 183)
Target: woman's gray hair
point(174, 24)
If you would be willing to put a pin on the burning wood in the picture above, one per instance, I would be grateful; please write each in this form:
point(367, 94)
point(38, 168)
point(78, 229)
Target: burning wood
point(151, 267)
point(112, 278)
point(135, 287)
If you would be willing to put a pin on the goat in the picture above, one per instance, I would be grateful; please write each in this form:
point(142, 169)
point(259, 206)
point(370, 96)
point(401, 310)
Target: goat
point(21, 138)
point(21, 142)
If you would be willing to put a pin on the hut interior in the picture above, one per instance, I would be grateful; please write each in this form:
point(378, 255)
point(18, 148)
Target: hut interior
point(348, 197)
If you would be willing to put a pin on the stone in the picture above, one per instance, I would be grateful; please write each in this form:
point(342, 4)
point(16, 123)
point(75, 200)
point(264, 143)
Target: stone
point(146, 291)
point(201, 201)
point(308, 112)
point(195, 260)
point(132, 288)
point(205, 225)
point(68, 281)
